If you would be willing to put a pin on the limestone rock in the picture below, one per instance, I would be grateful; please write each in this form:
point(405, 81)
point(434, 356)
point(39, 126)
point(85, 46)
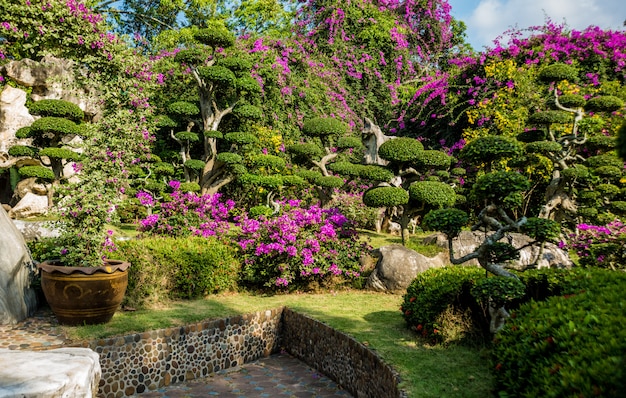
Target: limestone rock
point(468, 241)
point(17, 298)
point(62, 372)
point(13, 115)
point(397, 267)
point(30, 205)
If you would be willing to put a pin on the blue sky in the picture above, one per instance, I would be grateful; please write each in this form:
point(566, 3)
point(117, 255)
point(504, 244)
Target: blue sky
point(488, 19)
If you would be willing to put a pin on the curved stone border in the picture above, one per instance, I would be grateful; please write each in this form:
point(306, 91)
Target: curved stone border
point(146, 361)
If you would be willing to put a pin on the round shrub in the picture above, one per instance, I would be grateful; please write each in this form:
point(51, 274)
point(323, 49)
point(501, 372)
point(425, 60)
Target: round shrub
point(448, 221)
point(557, 72)
point(41, 172)
point(192, 56)
point(605, 103)
point(572, 100)
point(218, 75)
point(543, 147)
point(490, 148)
point(610, 173)
point(260, 210)
point(216, 35)
point(329, 181)
point(375, 173)
point(236, 64)
point(268, 161)
point(402, 149)
point(433, 159)
point(240, 138)
point(432, 193)
point(498, 185)
point(23, 132)
point(54, 125)
point(189, 187)
point(229, 158)
point(60, 153)
point(532, 135)
point(541, 229)
point(324, 126)
point(345, 168)
point(183, 109)
point(22, 150)
point(305, 150)
point(566, 346)
point(385, 197)
point(195, 164)
point(57, 108)
point(604, 160)
point(187, 136)
point(248, 112)
point(349, 142)
point(550, 117)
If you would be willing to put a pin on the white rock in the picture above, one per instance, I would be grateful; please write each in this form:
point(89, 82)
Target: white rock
point(30, 205)
point(63, 372)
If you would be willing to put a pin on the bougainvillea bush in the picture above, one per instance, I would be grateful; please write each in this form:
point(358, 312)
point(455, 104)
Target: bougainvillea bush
point(601, 246)
point(299, 246)
point(186, 214)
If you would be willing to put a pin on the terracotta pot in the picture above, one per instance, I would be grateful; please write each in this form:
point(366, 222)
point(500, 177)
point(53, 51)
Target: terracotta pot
point(84, 295)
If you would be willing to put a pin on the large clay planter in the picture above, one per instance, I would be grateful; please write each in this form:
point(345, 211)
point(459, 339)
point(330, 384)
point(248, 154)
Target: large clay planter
point(84, 295)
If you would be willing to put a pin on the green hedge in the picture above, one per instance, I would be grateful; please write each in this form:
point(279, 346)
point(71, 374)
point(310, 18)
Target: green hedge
point(567, 346)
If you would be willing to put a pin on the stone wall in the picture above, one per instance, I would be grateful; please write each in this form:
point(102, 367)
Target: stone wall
point(146, 361)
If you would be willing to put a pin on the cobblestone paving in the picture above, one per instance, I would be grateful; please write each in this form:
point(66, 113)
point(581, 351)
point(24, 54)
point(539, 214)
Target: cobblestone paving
point(279, 375)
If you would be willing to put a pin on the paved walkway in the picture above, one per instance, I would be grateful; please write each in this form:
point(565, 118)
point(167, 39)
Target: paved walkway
point(279, 375)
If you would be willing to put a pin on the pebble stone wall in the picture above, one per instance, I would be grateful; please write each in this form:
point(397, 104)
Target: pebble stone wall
point(146, 361)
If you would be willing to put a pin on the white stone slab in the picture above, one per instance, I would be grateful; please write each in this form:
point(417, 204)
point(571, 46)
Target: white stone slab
point(60, 373)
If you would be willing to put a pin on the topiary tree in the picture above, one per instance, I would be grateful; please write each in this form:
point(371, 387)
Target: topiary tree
point(502, 194)
point(415, 186)
point(50, 138)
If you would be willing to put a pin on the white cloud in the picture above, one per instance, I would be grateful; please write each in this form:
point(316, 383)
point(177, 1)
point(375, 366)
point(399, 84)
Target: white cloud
point(491, 18)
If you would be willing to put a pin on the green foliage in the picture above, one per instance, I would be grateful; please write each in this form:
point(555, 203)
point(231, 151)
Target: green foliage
point(23, 132)
point(53, 125)
point(183, 109)
point(248, 112)
point(41, 172)
point(236, 64)
point(501, 252)
point(329, 181)
point(402, 149)
point(498, 290)
point(490, 148)
point(571, 345)
point(432, 194)
point(618, 207)
point(309, 175)
point(375, 173)
point(532, 135)
point(268, 161)
point(543, 147)
point(305, 150)
point(229, 158)
point(605, 103)
point(323, 127)
point(191, 56)
point(497, 186)
point(609, 173)
point(557, 72)
point(541, 229)
point(621, 141)
point(572, 100)
point(163, 169)
point(172, 268)
point(349, 143)
point(213, 134)
point(187, 136)
point(164, 121)
point(294, 181)
point(189, 187)
point(433, 159)
point(22, 150)
point(550, 117)
point(261, 210)
point(57, 108)
point(607, 159)
point(345, 168)
point(60, 153)
point(249, 85)
point(385, 197)
point(608, 190)
point(578, 171)
point(218, 75)
point(216, 35)
point(269, 182)
point(448, 221)
point(195, 164)
point(241, 138)
point(601, 143)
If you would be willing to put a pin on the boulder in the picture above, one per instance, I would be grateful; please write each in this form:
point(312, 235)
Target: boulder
point(468, 241)
point(17, 298)
point(62, 372)
point(31, 205)
point(397, 266)
point(13, 115)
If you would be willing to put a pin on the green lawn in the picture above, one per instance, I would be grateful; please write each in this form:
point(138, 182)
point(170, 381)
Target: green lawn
point(372, 318)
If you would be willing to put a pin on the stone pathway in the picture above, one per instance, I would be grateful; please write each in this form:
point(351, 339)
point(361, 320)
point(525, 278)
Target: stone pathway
point(279, 375)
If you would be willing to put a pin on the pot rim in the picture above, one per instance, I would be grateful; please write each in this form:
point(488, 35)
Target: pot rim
point(109, 267)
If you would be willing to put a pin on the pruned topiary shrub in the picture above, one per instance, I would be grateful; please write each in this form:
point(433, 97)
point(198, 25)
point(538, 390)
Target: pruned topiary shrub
point(566, 346)
point(165, 268)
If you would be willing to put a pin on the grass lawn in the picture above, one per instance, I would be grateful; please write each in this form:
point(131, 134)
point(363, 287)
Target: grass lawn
point(372, 318)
